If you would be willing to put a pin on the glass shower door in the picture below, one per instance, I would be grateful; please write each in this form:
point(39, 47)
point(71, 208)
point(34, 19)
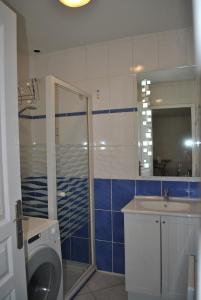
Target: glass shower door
point(72, 182)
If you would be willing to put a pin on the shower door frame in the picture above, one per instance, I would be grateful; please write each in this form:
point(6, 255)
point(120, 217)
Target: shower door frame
point(50, 89)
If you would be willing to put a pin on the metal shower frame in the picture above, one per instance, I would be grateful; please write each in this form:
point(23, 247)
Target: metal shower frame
point(51, 83)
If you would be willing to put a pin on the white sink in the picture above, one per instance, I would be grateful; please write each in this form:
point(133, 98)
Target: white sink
point(164, 206)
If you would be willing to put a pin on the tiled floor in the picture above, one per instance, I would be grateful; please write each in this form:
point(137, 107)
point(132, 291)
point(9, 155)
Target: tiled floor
point(103, 286)
point(71, 273)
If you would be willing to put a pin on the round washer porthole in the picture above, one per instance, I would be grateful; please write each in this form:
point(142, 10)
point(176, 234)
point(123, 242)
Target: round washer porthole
point(44, 275)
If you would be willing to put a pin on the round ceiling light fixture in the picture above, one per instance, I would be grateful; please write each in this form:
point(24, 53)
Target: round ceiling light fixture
point(74, 3)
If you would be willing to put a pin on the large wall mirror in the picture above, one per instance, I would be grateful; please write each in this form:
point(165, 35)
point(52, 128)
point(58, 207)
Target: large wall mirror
point(169, 125)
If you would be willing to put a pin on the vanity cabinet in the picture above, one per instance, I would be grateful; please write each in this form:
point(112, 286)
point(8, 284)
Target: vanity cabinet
point(156, 254)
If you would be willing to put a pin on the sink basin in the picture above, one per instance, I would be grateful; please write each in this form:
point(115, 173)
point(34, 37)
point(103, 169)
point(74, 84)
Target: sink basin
point(164, 206)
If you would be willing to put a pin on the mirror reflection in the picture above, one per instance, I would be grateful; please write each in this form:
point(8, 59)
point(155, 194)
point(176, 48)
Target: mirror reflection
point(169, 131)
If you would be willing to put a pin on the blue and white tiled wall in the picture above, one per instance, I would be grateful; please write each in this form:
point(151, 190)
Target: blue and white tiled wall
point(110, 196)
point(103, 70)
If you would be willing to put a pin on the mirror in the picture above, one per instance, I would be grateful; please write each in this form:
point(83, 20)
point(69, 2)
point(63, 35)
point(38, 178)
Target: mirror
point(169, 131)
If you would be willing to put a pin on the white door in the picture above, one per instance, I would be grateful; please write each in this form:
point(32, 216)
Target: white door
point(12, 262)
point(143, 254)
point(179, 241)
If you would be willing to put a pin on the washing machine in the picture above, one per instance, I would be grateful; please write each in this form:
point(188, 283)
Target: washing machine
point(43, 259)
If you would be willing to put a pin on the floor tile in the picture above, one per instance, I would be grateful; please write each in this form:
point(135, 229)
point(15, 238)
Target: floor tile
point(88, 296)
point(84, 290)
point(101, 281)
point(116, 292)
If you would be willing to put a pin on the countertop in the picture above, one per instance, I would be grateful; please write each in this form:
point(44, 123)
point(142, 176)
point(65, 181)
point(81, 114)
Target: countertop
point(135, 207)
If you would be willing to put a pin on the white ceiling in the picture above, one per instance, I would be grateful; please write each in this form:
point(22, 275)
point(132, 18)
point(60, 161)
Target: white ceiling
point(51, 26)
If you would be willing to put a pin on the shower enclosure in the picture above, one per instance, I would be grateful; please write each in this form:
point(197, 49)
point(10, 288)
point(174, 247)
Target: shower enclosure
point(56, 172)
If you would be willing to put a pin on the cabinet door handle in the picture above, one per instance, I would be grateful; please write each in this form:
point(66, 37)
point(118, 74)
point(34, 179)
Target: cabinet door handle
point(157, 221)
point(164, 222)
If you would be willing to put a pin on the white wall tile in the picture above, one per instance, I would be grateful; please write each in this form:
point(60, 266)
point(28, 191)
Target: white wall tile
point(124, 162)
point(66, 101)
point(25, 131)
point(97, 60)
point(124, 130)
point(38, 131)
point(68, 65)
point(190, 47)
point(101, 129)
point(171, 49)
point(122, 92)
point(38, 66)
point(102, 162)
point(82, 85)
point(145, 52)
point(100, 90)
point(120, 56)
point(71, 130)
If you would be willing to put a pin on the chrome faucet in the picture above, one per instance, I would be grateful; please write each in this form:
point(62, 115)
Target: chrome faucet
point(166, 194)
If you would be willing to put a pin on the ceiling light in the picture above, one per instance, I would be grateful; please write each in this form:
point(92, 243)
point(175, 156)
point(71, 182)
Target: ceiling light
point(74, 3)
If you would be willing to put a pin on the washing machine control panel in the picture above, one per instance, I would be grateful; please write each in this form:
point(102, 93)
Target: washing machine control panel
point(34, 238)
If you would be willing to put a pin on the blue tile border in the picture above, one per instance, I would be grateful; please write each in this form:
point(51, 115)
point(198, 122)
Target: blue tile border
point(83, 113)
point(101, 112)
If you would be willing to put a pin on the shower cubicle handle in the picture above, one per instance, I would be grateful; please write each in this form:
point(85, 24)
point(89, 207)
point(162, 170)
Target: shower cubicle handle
point(19, 227)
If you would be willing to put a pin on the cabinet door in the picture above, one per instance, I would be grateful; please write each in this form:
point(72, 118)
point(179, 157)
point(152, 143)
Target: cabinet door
point(143, 254)
point(179, 240)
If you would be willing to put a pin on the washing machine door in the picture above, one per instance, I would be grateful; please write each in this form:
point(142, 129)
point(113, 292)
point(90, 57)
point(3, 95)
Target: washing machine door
point(44, 274)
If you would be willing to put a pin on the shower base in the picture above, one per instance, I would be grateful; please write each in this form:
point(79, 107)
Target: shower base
point(72, 271)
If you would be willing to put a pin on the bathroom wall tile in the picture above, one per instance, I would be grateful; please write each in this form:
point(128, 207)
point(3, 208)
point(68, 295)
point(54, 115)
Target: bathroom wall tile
point(65, 249)
point(38, 66)
point(120, 56)
point(103, 226)
point(101, 129)
point(122, 192)
point(97, 60)
point(76, 133)
point(80, 250)
point(82, 232)
point(118, 227)
point(102, 162)
point(121, 123)
point(38, 131)
point(122, 92)
point(148, 187)
point(195, 189)
point(102, 194)
point(104, 255)
point(118, 258)
point(68, 102)
point(145, 52)
point(190, 46)
point(100, 90)
point(124, 162)
point(171, 45)
point(68, 65)
point(176, 188)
